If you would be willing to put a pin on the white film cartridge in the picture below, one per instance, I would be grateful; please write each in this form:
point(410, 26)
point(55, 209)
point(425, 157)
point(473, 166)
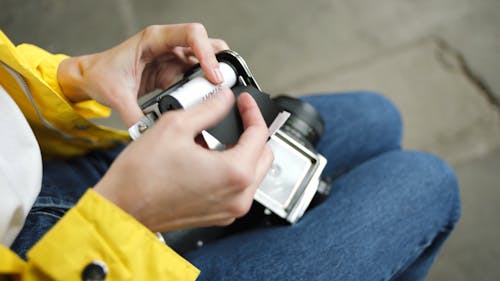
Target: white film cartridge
point(184, 94)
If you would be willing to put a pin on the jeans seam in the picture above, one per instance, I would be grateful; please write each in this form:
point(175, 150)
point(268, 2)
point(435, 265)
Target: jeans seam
point(46, 214)
point(50, 202)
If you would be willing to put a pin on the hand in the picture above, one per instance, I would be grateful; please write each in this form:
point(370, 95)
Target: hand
point(167, 181)
point(151, 59)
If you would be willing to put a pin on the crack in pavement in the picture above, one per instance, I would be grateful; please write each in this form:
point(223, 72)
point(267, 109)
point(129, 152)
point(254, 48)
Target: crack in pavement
point(452, 58)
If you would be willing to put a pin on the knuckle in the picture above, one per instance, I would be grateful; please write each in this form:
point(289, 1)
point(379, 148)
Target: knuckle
point(239, 177)
point(195, 29)
point(172, 120)
point(240, 207)
point(225, 222)
point(150, 31)
point(115, 99)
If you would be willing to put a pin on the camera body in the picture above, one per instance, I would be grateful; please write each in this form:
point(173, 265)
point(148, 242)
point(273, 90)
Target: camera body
point(295, 175)
point(293, 179)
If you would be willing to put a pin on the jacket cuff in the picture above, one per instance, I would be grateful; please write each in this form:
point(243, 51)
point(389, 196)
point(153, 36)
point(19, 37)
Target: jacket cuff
point(45, 65)
point(97, 230)
point(11, 263)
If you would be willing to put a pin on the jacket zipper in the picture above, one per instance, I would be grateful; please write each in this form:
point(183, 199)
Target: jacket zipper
point(24, 86)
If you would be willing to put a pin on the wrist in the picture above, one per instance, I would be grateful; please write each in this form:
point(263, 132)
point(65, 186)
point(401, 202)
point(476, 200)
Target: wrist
point(70, 75)
point(130, 204)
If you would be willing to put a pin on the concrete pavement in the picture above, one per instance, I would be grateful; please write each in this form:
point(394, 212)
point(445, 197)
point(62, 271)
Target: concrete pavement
point(437, 59)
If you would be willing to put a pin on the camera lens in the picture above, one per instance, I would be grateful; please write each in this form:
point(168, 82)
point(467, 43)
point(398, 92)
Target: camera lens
point(305, 123)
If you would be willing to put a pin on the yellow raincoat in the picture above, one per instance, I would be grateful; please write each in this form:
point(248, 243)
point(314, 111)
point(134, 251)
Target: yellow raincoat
point(95, 229)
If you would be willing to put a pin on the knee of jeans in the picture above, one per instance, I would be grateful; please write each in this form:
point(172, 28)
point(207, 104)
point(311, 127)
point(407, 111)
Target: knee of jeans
point(436, 184)
point(368, 115)
point(376, 115)
point(382, 115)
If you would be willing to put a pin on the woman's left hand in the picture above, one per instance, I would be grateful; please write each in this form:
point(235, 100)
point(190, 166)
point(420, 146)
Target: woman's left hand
point(154, 58)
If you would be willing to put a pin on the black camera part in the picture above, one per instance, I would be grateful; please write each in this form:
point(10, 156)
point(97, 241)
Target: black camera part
point(305, 123)
point(230, 128)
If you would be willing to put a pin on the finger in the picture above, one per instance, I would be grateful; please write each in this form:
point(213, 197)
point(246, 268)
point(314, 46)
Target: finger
point(181, 53)
point(157, 40)
point(169, 73)
point(186, 55)
point(244, 197)
point(129, 111)
point(209, 112)
point(189, 56)
point(251, 143)
point(263, 165)
point(218, 44)
point(265, 161)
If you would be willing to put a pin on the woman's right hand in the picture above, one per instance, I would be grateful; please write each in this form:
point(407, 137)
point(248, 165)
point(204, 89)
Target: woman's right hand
point(167, 181)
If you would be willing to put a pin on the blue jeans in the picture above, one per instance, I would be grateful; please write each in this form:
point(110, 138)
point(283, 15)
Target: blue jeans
point(388, 214)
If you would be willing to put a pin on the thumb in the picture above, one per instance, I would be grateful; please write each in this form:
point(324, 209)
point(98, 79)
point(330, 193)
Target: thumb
point(209, 112)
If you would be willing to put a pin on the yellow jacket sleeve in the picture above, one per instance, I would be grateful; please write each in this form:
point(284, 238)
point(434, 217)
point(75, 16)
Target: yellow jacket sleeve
point(96, 230)
point(62, 128)
point(44, 66)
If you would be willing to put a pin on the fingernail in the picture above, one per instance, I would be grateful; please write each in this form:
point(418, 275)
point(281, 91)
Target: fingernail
point(218, 75)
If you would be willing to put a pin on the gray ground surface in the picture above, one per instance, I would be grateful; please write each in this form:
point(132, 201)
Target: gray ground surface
point(437, 59)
